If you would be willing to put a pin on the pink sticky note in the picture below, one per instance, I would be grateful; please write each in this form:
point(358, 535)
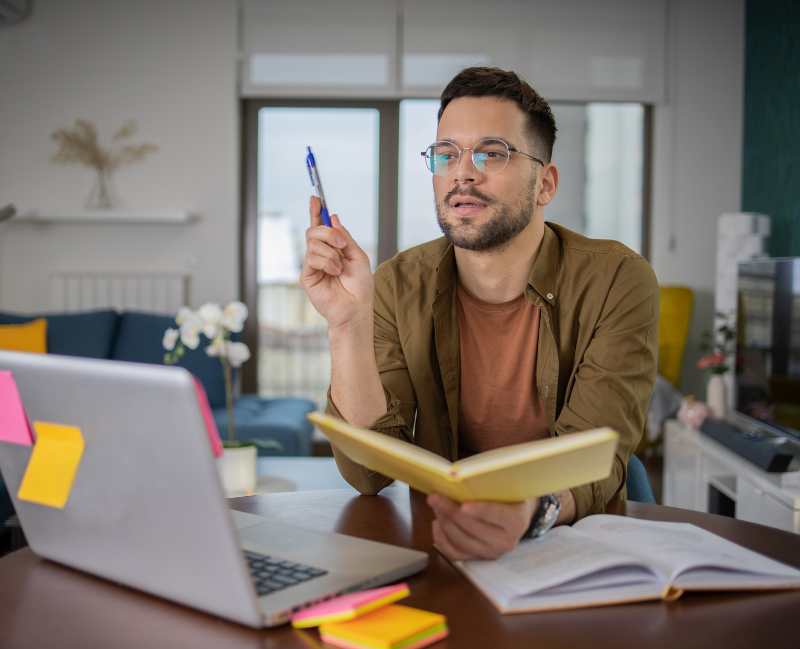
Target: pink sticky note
point(14, 425)
point(211, 425)
point(348, 607)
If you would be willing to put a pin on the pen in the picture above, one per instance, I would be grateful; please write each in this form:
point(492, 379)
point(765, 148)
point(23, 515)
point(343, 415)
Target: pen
point(316, 183)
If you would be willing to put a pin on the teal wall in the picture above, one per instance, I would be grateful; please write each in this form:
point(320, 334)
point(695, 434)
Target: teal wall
point(771, 156)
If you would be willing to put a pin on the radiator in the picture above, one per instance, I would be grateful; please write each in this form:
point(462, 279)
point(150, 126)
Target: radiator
point(159, 292)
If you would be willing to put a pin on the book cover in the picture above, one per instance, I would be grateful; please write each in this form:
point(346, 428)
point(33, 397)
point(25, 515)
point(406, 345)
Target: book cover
point(508, 474)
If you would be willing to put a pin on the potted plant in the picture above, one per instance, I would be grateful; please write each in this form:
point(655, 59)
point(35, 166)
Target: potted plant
point(718, 347)
point(80, 145)
point(237, 465)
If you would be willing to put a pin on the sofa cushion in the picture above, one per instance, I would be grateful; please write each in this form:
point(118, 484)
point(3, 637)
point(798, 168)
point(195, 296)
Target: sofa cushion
point(25, 337)
point(85, 333)
point(282, 420)
point(139, 339)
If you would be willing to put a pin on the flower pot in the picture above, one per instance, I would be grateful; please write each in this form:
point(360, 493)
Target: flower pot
point(237, 470)
point(716, 396)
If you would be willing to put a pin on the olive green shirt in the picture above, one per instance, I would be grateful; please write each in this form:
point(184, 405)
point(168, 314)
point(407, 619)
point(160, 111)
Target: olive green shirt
point(596, 354)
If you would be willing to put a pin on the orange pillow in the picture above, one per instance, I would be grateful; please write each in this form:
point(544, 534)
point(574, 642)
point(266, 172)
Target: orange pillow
point(27, 337)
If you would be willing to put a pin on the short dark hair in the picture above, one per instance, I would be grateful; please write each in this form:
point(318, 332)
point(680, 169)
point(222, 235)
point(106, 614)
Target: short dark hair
point(494, 82)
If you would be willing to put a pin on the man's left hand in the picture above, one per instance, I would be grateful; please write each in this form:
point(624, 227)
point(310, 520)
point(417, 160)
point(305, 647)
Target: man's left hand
point(478, 530)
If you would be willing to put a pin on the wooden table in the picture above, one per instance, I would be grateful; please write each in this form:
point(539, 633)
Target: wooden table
point(45, 605)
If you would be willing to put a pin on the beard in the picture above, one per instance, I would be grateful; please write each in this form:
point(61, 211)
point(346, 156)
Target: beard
point(506, 222)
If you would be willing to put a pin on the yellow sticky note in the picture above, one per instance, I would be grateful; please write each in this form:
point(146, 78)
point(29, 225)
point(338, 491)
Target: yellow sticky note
point(53, 465)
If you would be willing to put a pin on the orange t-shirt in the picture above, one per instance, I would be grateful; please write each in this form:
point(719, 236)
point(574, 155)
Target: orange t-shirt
point(500, 404)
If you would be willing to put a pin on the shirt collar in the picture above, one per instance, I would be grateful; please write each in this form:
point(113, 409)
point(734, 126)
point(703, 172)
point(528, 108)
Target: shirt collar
point(546, 265)
point(542, 277)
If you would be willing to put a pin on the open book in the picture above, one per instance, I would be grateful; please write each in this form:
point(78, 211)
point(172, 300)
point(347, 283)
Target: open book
point(604, 559)
point(507, 474)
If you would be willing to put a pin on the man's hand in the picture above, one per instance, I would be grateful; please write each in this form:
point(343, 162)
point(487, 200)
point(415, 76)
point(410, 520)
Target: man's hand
point(478, 530)
point(336, 275)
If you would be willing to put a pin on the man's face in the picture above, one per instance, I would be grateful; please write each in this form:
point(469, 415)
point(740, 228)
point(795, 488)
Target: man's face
point(475, 210)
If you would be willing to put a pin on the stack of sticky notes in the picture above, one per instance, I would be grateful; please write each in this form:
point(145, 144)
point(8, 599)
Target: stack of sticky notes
point(369, 620)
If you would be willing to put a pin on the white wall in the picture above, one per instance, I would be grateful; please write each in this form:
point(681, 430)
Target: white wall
point(697, 153)
point(171, 65)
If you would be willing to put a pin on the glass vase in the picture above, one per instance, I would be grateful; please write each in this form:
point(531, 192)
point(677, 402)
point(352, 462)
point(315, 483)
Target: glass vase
point(101, 196)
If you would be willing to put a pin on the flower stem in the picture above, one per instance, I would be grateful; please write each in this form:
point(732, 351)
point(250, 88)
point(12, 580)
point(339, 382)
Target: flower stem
point(226, 367)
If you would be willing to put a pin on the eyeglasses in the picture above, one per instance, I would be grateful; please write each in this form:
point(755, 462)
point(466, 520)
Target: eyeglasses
point(489, 155)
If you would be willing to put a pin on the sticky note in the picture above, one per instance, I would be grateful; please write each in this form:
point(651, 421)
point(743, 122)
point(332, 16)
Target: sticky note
point(14, 426)
point(208, 418)
point(53, 465)
point(349, 607)
point(390, 627)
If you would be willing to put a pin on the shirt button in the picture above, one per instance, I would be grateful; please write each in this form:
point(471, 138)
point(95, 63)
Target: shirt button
point(550, 296)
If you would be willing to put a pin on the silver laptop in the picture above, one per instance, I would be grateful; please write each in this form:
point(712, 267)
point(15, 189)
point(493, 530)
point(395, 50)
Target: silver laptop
point(147, 508)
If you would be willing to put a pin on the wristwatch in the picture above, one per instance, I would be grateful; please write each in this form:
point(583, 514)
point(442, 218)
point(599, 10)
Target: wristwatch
point(544, 517)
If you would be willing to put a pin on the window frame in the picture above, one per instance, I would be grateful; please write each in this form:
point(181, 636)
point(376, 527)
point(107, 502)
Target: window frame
point(388, 195)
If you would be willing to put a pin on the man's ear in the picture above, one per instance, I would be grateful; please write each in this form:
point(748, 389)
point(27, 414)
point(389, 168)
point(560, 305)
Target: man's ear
point(549, 185)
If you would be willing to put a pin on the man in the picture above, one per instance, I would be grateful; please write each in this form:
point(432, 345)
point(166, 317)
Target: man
point(506, 330)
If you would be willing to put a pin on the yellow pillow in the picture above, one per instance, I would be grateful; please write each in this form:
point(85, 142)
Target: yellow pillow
point(27, 337)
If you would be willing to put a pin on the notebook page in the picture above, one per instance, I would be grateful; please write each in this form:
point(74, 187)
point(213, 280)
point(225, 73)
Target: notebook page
point(675, 548)
point(562, 556)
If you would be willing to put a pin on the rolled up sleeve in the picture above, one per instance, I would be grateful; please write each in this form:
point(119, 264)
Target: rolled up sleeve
point(401, 403)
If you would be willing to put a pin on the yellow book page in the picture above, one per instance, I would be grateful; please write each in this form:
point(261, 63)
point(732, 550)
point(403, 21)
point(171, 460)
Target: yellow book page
point(53, 465)
point(386, 627)
point(528, 470)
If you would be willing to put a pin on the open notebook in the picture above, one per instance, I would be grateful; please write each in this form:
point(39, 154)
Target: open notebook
point(604, 560)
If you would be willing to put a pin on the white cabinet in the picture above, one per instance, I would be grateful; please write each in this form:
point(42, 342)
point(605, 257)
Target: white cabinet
point(758, 506)
point(703, 475)
point(681, 471)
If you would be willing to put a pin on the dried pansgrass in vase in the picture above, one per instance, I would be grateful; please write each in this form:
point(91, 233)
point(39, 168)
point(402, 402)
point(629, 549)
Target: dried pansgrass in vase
point(79, 145)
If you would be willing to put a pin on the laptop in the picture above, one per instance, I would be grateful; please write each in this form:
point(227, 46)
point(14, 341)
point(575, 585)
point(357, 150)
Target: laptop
point(147, 508)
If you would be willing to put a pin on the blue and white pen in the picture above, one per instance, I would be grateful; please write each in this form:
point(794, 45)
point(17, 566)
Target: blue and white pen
point(316, 183)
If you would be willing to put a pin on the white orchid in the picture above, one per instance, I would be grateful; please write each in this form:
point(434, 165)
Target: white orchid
point(211, 316)
point(170, 338)
point(184, 313)
point(233, 316)
point(237, 353)
point(217, 347)
point(190, 332)
point(217, 325)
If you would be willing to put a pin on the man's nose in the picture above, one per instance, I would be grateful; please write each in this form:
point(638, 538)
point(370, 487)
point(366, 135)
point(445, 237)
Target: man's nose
point(466, 171)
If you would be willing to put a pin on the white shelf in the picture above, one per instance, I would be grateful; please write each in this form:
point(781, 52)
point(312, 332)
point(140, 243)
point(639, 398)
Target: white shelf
point(107, 216)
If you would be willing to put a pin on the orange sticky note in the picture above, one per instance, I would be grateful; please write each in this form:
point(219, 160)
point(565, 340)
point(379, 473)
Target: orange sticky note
point(53, 465)
point(391, 627)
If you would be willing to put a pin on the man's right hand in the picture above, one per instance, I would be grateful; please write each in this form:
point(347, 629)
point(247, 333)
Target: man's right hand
point(336, 275)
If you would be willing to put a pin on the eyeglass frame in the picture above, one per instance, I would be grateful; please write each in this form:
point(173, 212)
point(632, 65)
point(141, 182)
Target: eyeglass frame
point(511, 149)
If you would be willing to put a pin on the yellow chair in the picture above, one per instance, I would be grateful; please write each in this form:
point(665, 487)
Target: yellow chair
point(675, 303)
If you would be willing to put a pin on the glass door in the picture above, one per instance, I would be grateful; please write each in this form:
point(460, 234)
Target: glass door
point(291, 338)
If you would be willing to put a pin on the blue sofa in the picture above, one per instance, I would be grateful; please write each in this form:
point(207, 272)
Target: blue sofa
point(136, 336)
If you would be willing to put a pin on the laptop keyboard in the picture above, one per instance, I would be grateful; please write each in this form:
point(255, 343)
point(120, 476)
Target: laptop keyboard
point(271, 574)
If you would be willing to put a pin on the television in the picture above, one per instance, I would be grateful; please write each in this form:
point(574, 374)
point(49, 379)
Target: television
point(768, 345)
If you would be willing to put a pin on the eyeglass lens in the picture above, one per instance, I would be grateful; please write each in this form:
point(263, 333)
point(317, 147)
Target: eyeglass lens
point(488, 156)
